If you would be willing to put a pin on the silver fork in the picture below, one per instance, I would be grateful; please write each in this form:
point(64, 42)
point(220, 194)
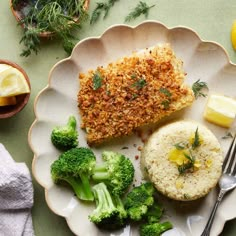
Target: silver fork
point(227, 182)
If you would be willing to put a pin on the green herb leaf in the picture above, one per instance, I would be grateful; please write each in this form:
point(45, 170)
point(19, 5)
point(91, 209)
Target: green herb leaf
point(97, 80)
point(189, 157)
point(197, 88)
point(179, 146)
point(183, 168)
point(133, 76)
point(196, 142)
point(101, 8)
point(139, 84)
point(187, 166)
point(54, 16)
point(227, 135)
point(134, 96)
point(97, 12)
point(166, 104)
point(165, 91)
point(141, 8)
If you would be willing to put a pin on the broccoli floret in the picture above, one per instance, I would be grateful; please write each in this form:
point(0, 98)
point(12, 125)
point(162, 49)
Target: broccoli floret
point(155, 229)
point(65, 137)
point(138, 201)
point(75, 167)
point(154, 213)
point(116, 171)
point(109, 212)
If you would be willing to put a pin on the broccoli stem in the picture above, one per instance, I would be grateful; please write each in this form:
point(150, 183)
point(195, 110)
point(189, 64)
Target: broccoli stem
point(86, 188)
point(100, 173)
point(81, 188)
point(100, 167)
point(71, 122)
point(103, 199)
point(77, 187)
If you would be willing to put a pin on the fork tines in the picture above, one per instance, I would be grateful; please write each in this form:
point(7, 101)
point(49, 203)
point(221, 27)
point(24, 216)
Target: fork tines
point(229, 165)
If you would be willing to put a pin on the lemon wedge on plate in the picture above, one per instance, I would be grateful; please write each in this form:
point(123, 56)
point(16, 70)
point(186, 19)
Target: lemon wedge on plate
point(233, 35)
point(220, 110)
point(12, 82)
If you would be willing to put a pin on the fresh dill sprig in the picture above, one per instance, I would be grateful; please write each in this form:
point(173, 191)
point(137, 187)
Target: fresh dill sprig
point(101, 8)
point(183, 168)
point(197, 88)
point(196, 142)
point(141, 8)
point(56, 16)
point(30, 41)
point(187, 166)
point(227, 135)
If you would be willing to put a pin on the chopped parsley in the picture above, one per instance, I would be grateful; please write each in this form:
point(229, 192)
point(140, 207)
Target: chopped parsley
point(134, 96)
point(166, 104)
point(133, 76)
point(97, 80)
point(139, 84)
point(165, 91)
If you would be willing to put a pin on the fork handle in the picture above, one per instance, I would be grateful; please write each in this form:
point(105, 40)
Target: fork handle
point(207, 228)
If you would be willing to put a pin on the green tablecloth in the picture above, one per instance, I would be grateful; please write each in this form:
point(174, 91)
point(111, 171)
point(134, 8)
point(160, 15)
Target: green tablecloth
point(211, 19)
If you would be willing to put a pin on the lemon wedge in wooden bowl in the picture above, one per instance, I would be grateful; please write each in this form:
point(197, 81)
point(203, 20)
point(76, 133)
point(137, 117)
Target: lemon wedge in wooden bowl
point(14, 88)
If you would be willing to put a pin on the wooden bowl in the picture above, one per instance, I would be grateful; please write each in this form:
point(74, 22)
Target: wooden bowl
point(21, 100)
point(19, 16)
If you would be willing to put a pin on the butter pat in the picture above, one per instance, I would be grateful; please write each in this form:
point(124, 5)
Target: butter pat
point(220, 110)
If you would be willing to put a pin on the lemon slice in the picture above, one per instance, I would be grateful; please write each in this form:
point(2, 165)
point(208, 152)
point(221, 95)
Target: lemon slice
point(12, 83)
point(233, 35)
point(220, 110)
point(7, 101)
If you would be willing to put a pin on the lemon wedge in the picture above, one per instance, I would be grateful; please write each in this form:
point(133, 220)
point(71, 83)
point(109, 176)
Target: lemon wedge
point(4, 67)
point(12, 82)
point(7, 101)
point(220, 110)
point(233, 35)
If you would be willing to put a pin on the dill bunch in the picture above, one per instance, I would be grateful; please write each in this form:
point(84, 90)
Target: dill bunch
point(59, 17)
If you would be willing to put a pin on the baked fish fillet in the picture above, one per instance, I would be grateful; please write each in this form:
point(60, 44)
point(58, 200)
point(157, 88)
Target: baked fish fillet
point(136, 90)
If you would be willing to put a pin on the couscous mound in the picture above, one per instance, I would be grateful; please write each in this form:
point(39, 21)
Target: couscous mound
point(183, 160)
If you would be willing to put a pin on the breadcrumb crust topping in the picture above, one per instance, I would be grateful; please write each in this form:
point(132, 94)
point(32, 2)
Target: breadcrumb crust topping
point(140, 89)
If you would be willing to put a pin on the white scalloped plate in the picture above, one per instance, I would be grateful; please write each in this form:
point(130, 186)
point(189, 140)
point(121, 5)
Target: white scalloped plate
point(203, 60)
